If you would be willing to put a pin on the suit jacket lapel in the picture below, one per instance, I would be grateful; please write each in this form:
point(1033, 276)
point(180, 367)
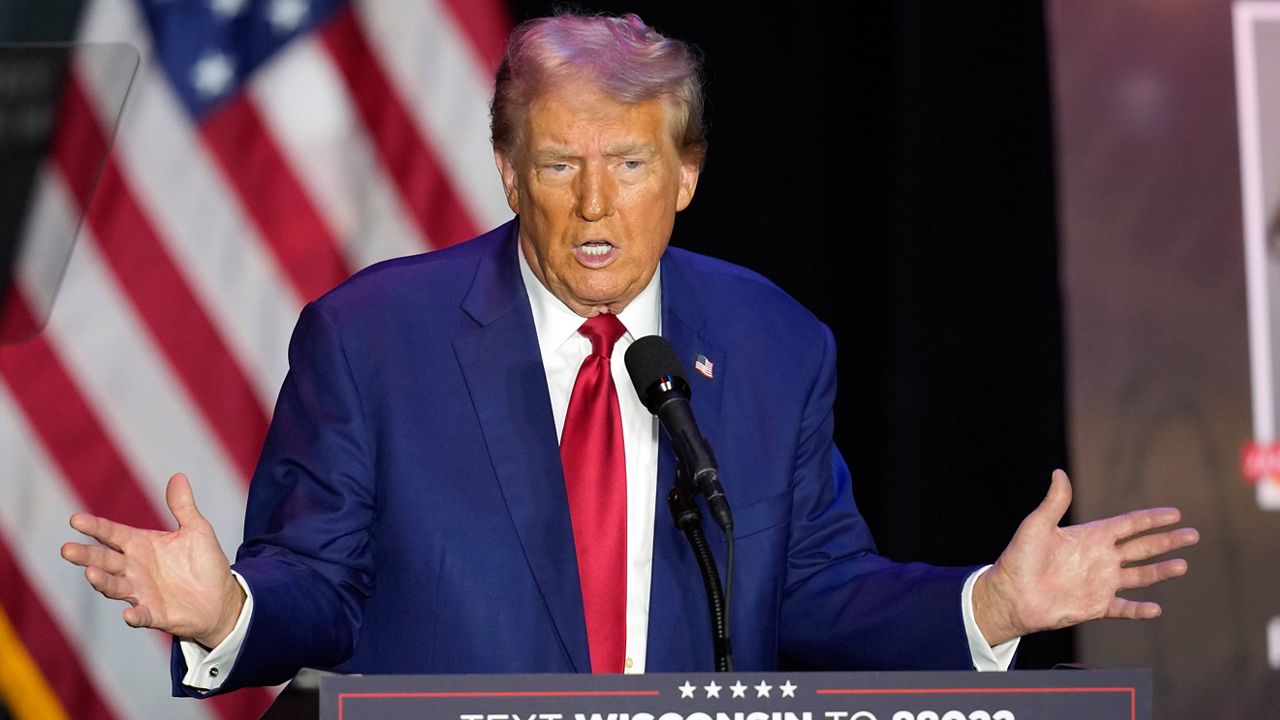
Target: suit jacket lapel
point(504, 374)
point(679, 625)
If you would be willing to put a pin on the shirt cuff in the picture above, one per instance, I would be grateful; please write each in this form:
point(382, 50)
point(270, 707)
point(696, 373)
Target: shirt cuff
point(208, 669)
point(985, 657)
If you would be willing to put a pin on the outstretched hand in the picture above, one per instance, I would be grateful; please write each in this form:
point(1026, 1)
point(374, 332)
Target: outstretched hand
point(1051, 577)
point(178, 582)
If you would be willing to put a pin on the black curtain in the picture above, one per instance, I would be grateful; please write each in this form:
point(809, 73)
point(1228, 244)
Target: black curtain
point(890, 165)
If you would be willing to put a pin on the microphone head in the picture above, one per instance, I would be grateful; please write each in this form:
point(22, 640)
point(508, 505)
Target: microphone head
point(655, 371)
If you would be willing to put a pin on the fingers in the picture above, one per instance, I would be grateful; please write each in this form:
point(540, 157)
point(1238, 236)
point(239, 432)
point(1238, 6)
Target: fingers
point(139, 616)
point(182, 501)
point(94, 556)
point(1140, 521)
point(1149, 546)
point(1133, 609)
point(112, 534)
point(112, 586)
point(1147, 575)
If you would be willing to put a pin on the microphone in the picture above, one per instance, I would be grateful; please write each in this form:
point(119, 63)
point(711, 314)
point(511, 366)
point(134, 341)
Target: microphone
point(655, 372)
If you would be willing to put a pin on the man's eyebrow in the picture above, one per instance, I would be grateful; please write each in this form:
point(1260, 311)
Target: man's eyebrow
point(551, 154)
point(632, 148)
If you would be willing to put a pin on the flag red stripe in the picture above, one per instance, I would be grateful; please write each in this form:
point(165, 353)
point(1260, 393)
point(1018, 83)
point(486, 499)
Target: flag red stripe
point(485, 24)
point(72, 432)
point(279, 206)
point(424, 187)
point(15, 325)
point(43, 639)
point(208, 370)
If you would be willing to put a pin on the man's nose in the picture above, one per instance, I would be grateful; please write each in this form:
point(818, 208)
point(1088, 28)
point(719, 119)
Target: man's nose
point(595, 195)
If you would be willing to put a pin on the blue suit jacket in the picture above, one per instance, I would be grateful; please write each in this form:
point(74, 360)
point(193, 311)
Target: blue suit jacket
point(408, 514)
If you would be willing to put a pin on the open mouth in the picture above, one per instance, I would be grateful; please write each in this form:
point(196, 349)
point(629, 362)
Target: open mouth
point(597, 248)
point(596, 253)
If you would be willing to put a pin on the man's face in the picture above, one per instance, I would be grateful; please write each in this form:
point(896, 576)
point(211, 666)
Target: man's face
point(597, 184)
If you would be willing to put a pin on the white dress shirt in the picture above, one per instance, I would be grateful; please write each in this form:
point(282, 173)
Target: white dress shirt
point(563, 350)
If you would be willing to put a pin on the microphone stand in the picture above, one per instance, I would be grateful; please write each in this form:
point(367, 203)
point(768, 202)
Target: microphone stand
point(685, 513)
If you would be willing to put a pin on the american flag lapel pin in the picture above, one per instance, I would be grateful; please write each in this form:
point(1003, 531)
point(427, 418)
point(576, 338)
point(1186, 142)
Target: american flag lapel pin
point(703, 364)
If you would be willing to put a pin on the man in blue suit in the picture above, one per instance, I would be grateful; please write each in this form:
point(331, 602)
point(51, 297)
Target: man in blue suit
point(410, 512)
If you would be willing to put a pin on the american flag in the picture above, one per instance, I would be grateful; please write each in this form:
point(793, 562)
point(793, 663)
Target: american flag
point(703, 364)
point(269, 148)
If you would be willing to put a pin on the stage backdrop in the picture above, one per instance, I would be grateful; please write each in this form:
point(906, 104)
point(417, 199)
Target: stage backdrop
point(1158, 348)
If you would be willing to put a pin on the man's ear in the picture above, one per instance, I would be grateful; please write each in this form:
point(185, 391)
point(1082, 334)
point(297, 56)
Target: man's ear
point(510, 182)
point(689, 172)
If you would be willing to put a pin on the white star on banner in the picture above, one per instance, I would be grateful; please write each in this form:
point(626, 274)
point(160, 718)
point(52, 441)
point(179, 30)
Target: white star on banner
point(226, 9)
point(788, 690)
point(686, 690)
point(713, 690)
point(739, 690)
point(762, 690)
point(212, 75)
point(286, 15)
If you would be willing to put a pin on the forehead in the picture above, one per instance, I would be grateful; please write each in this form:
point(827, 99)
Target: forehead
point(580, 116)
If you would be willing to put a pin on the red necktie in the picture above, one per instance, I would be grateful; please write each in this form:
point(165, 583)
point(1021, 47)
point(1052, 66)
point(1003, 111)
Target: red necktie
point(595, 475)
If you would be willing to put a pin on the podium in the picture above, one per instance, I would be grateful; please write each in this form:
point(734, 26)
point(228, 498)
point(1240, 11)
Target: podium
point(1016, 695)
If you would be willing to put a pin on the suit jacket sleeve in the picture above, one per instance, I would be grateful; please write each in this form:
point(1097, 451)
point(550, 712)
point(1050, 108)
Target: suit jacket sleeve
point(845, 606)
point(307, 543)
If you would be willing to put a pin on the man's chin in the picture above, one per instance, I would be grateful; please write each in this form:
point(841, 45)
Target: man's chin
point(599, 304)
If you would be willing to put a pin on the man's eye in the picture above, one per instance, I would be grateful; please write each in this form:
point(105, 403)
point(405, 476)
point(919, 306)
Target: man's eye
point(633, 164)
point(559, 167)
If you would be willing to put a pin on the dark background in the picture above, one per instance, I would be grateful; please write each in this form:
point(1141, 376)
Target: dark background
point(891, 166)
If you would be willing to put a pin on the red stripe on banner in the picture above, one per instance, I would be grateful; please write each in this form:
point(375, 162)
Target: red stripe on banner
point(208, 370)
point(424, 187)
point(44, 641)
point(278, 205)
point(485, 24)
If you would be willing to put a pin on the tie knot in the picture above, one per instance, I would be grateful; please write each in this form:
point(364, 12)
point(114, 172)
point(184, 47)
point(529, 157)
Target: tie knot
point(603, 331)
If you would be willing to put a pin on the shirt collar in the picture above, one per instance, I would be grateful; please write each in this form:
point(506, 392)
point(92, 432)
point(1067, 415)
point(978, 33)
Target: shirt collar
point(556, 323)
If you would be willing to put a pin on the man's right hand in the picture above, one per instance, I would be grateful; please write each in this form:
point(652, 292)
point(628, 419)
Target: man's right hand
point(178, 582)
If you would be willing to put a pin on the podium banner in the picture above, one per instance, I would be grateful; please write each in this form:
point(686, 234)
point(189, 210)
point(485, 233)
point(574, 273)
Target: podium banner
point(1030, 695)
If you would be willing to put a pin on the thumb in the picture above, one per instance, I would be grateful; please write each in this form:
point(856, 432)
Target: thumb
point(182, 502)
point(1054, 506)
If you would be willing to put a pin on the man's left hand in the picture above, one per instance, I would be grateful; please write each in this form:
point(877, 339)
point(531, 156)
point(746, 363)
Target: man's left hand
point(1051, 577)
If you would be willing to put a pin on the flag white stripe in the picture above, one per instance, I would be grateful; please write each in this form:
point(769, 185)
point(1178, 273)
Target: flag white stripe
point(128, 666)
point(304, 102)
point(196, 213)
point(435, 73)
point(122, 375)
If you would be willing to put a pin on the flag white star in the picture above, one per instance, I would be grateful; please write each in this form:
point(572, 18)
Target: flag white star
point(286, 15)
point(788, 690)
point(212, 74)
point(226, 9)
point(762, 690)
point(739, 690)
point(713, 690)
point(686, 690)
